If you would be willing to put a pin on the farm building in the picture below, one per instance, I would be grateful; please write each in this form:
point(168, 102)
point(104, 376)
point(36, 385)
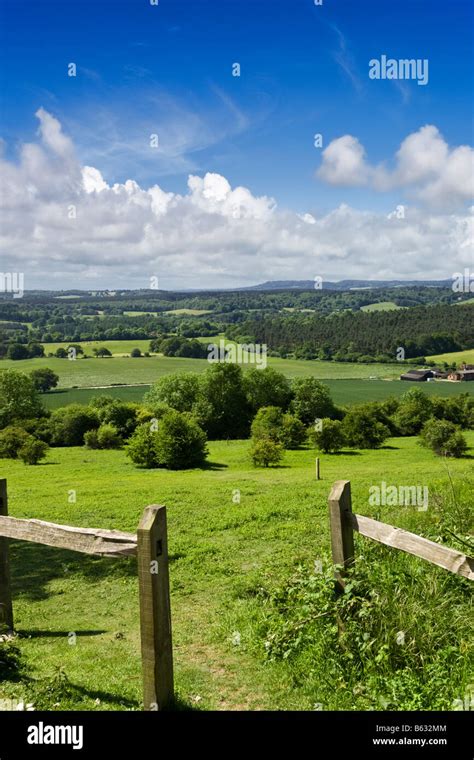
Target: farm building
point(462, 375)
point(418, 375)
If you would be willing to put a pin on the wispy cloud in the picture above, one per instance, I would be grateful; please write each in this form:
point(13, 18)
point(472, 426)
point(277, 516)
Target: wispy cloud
point(345, 59)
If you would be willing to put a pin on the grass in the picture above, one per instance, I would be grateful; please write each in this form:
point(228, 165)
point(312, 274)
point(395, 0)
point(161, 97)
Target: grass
point(122, 369)
point(78, 616)
point(116, 347)
point(381, 306)
point(460, 357)
point(342, 391)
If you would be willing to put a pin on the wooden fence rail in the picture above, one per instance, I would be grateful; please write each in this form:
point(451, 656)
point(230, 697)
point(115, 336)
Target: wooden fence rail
point(150, 545)
point(344, 522)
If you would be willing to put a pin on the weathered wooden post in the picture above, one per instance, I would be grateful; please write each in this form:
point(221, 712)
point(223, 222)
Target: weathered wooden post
point(317, 469)
point(6, 606)
point(155, 610)
point(342, 534)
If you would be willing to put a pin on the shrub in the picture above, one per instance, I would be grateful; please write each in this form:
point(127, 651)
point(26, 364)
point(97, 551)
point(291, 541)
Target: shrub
point(177, 443)
point(271, 423)
point(108, 437)
point(33, 451)
point(11, 440)
point(135, 353)
point(444, 438)
point(265, 451)
point(362, 429)
point(70, 423)
point(121, 414)
point(330, 436)
point(91, 439)
point(141, 446)
point(180, 442)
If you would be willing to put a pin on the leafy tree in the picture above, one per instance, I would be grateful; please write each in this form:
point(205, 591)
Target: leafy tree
point(44, 379)
point(265, 451)
point(226, 412)
point(180, 442)
point(17, 351)
point(444, 438)
point(121, 414)
point(179, 391)
point(61, 353)
point(362, 429)
point(135, 353)
point(293, 433)
point(19, 398)
point(312, 400)
point(33, 451)
point(328, 437)
point(101, 352)
point(267, 387)
point(413, 410)
point(11, 440)
point(69, 423)
point(35, 350)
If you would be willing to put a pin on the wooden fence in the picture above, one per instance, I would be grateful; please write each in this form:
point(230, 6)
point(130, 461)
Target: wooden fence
point(149, 544)
point(344, 522)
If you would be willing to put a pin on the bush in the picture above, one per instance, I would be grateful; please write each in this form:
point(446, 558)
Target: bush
point(135, 353)
point(70, 423)
point(414, 409)
point(91, 440)
point(33, 451)
point(121, 414)
point(177, 443)
point(108, 437)
point(330, 437)
point(362, 429)
point(265, 451)
point(141, 446)
point(271, 423)
point(11, 440)
point(444, 438)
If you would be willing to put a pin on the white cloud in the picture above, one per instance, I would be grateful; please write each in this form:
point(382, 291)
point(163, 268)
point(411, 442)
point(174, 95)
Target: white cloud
point(213, 235)
point(425, 166)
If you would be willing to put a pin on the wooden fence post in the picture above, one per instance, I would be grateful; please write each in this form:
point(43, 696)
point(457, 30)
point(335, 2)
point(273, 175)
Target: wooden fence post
point(342, 535)
point(6, 606)
point(155, 610)
point(317, 469)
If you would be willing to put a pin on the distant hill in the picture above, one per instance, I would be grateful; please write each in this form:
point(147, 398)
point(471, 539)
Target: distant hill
point(348, 284)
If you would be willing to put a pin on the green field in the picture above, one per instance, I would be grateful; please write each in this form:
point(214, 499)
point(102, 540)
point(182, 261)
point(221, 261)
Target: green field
point(342, 391)
point(116, 347)
point(381, 306)
point(460, 357)
point(221, 553)
point(93, 372)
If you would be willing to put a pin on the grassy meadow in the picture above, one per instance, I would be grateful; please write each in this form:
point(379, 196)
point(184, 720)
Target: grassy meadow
point(236, 611)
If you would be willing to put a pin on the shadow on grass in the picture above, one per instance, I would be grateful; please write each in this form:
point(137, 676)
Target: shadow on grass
point(38, 634)
point(212, 466)
point(33, 566)
point(343, 454)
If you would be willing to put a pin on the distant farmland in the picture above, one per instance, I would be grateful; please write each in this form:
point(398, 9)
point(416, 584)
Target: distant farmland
point(342, 391)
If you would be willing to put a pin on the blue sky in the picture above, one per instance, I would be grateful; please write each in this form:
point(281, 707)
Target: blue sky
point(167, 69)
point(303, 70)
